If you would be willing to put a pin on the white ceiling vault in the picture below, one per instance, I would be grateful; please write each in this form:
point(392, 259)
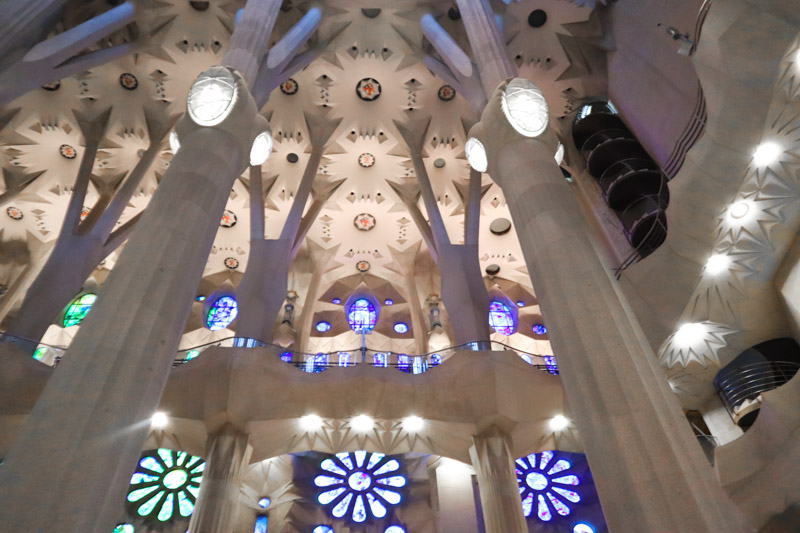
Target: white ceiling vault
point(366, 153)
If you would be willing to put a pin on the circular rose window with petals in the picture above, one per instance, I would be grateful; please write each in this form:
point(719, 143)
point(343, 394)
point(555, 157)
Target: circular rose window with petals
point(232, 263)
point(228, 219)
point(67, 151)
point(289, 87)
point(128, 81)
point(14, 213)
point(446, 93)
point(362, 266)
point(366, 160)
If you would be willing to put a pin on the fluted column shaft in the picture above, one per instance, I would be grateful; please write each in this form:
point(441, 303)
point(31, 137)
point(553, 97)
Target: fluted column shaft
point(497, 482)
point(250, 41)
point(650, 472)
point(227, 455)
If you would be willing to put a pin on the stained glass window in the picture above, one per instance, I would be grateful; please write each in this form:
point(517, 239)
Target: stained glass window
point(501, 319)
point(261, 524)
point(286, 357)
point(419, 365)
point(436, 359)
point(78, 309)
point(582, 528)
point(323, 529)
point(403, 362)
point(345, 359)
point(401, 327)
point(550, 361)
point(359, 485)
point(222, 313)
point(323, 326)
point(546, 484)
point(362, 315)
point(394, 529)
point(166, 484)
point(379, 359)
point(123, 528)
point(539, 329)
point(264, 502)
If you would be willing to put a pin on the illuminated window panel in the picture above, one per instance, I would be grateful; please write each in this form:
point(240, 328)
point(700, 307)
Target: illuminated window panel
point(546, 485)
point(501, 319)
point(165, 485)
point(362, 316)
point(78, 309)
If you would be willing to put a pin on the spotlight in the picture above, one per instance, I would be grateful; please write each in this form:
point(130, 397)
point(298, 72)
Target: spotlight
point(174, 142)
point(212, 96)
point(717, 263)
point(159, 420)
point(362, 423)
point(766, 154)
point(525, 108)
point(559, 423)
point(689, 334)
point(310, 422)
point(739, 210)
point(262, 147)
point(412, 424)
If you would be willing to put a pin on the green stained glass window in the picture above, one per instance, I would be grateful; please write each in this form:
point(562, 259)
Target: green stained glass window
point(78, 309)
point(123, 528)
point(165, 485)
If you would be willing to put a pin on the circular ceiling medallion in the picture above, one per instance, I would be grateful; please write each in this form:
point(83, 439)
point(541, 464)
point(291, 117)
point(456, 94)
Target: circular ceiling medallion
point(67, 151)
point(364, 222)
point(232, 263)
point(362, 266)
point(500, 226)
point(492, 269)
point(292, 157)
point(128, 81)
point(446, 93)
point(85, 213)
point(14, 213)
point(368, 89)
point(289, 87)
point(439, 163)
point(366, 160)
point(537, 18)
point(53, 86)
point(228, 219)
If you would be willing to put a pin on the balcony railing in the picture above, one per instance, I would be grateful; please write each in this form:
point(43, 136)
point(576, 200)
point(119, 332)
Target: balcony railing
point(740, 388)
point(316, 362)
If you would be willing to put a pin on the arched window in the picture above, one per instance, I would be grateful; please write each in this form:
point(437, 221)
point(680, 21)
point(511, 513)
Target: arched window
point(261, 524)
point(362, 315)
point(78, 309)
point(501, 318)
point(222, 313)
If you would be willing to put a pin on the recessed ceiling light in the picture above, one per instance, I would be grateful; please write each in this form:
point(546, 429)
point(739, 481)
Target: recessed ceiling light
point(362, 423)
point(559, 423)
point(159, 420)
point(739, 210)
point(689, 334)
point(413, 424)
point(717, 263)
point(766, 154)
point(310, 422)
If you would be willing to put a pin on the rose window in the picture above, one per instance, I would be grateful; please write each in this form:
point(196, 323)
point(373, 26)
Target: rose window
point(166, 484)
point(360, 485)
point(546, 484)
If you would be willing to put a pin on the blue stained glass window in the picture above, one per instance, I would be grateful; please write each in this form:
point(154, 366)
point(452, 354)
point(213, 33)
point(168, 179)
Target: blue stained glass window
point(582, 528)
point(222, 313)
point(78, 309)
point(546, 485)
point(286, 357)
point(388, 301)
point(261, 525)
point(403, 362)
point(539, 329)
point(360, 485)
point(436, 359)
point(323, 326)
point(362, 315)
point(501, 319)
point(323, 529)
point(419, 366)
point(394, 529)
point(550, 361)
point(336, 301)
point(379, 359)
point(345, 359)
point(401, 327)
point(520, 303)
point(264, 502)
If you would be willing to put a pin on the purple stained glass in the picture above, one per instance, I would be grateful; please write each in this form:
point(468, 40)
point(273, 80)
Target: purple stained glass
point(501, 319)
point(542, 485)
point(539, 329)
point(286, 357)
point(403, 362)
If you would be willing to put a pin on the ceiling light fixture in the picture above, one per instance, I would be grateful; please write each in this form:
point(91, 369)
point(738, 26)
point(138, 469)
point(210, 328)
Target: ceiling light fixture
point(159, 420)
point(689, 334)
point(525, 107)
point(559, 154)
point(362, 423)
point(766, 154)
point(212, 96)
point(310, 422)
point(174, 142)
point(739, 210)
point(559, 423)
point(476, 154)
point(412, 424)
point(262, 147)
point(717, 263)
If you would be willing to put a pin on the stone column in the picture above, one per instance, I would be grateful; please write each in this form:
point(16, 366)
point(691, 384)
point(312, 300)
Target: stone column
point(454, 494)
point(497, 482)
point(81, 441)
point(227, 455)
point(649, 469)
point(23, 23)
